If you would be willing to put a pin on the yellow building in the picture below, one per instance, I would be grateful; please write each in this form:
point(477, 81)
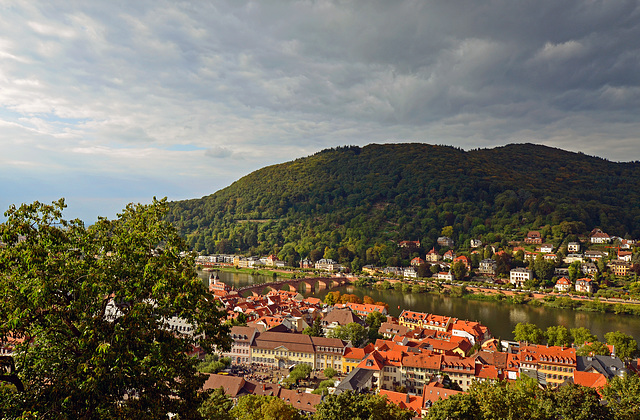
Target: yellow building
point(282, 350)
point(421, 320)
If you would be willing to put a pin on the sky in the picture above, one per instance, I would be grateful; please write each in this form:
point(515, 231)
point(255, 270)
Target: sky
point(110, 102)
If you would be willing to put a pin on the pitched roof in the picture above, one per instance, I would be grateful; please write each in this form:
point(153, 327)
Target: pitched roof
point(356, 380)
point(232, 384)
point(341, 317)
point(304, 401)
point(402, 400)
point(589, 379)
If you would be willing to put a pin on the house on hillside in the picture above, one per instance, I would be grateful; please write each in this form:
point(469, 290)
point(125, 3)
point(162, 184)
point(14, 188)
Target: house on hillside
point(584, 285)
point(327, 265)
point(563, 285)
point(518, 276)
point(573, 247)
point(433, 256)
point(533, 237)
point(409, 244)
point(475, 243)
point(546, 248)
point(599, 237)
point(417, 261)
point(488, 266)
point(464, 260)
point(444, 276)
point(445, 241)
point(620, 267)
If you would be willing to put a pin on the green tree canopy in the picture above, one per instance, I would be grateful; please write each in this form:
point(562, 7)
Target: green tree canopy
point(300, 371)
point(314, 330)
point(260, 407)
point(593, 349)
point(582, 335)
point(624, 345)
point(528, 332)
point(522, 399)
point(351, 406)
point(217, 406)
point(623, 397)
point(558, 335)
point(93, 307)
point(459, 270)
point(353, 332)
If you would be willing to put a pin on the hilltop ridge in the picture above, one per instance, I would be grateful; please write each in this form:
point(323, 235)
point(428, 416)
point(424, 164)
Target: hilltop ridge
point(348, 200)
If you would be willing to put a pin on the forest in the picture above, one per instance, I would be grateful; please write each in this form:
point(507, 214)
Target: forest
point(355, 204)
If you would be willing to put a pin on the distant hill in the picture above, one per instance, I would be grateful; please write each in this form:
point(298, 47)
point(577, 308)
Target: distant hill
point(353, 203)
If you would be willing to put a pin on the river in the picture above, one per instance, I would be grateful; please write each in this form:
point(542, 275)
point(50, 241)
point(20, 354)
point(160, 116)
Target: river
point(501, 318)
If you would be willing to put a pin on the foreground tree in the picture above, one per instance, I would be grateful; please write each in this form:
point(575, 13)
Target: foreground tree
point(260, 407)
point(522, 399)
point(623, 397)
point(350, 406)
point(87, 310)
point(217, 406)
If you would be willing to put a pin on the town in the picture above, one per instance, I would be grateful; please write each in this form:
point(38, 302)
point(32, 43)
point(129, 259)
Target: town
point(413, 360)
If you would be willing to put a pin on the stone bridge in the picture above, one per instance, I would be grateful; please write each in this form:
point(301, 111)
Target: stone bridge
point(299, 285)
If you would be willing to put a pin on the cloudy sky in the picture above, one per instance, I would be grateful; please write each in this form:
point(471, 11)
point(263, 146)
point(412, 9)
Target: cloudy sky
point(110, 102)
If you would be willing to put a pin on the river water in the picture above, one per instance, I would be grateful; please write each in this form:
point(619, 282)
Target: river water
point(501, 318)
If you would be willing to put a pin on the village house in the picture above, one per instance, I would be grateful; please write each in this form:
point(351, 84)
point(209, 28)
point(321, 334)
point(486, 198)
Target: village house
point(597, 236)
point(326, 264)
point(625, 255)
point(445, 241)
point(572, 257)
point(563, 285)
point(475, 243)
point(409, 244)
point(573, 247)
point(449, 255)
point(546, 248)
point(306, 263)
point(433, 256)
point(620, 267)
point(444, 276)
point(533, 237)
point(464, 259)
point(487, 266)
point(588, 268)
point(584, 285)
point(363, 309)
point(549, 365)
point(371, 270)
point(339, 317)
point(594, 255)
point(242, 337)
point(423, 320)
point(518, 276)
point(417, 261)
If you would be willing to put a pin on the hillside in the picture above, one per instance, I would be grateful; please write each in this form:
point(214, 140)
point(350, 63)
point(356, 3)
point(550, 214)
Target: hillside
point(345, 201)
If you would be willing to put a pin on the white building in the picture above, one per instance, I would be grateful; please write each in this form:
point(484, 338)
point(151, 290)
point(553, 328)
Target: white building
point(519, 275)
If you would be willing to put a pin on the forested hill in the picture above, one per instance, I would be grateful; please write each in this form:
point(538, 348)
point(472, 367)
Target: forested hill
point(349, 199)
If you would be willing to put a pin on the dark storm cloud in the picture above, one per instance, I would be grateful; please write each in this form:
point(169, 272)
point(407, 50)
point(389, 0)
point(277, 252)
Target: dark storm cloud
point(154, 90)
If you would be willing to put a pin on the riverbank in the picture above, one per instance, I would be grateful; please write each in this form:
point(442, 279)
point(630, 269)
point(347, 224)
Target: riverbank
point(267, 272)
point(552, 300)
